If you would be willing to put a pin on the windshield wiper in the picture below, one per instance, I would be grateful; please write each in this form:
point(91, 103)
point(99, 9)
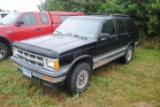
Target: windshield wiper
point(80, 36)
point(59, 32)
point(76, 35)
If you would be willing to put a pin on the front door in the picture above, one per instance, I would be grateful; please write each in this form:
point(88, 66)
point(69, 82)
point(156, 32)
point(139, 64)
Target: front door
point(106, 45)
point(107, 48)
point(29, 29)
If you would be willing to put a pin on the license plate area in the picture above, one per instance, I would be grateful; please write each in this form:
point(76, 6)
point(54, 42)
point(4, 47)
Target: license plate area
point(27, 72)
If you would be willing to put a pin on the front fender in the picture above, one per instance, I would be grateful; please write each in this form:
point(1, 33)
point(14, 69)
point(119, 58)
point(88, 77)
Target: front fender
point(79, 59)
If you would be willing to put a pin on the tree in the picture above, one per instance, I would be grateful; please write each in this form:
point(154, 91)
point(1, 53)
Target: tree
point(145, 13)
point(51, 5)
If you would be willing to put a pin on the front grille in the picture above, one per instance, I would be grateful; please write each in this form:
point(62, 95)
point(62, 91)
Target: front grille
point(30, 58)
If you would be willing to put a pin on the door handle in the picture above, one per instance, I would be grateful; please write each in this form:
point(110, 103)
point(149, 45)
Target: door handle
point(38, 28)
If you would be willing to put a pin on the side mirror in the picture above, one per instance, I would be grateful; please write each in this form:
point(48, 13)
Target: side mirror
point(104, 36)
point(19, 23)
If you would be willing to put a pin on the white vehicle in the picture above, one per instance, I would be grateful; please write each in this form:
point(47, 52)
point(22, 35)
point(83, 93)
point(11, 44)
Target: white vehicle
point(3, 14)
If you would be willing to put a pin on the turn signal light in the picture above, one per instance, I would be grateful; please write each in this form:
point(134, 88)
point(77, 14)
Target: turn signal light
point(56, 65)
point(48, 78)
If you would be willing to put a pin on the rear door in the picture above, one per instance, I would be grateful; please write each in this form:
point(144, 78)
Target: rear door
point(29, 29)
point(123, 35)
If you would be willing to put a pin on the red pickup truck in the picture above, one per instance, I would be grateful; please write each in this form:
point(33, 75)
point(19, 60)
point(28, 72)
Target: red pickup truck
point(22, 25)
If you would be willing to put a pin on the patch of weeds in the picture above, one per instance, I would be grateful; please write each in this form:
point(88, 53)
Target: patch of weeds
point(63, 94)
point(39, 91)
point(158, 104)
point(135, 94)
point(55, 89)
point(21, 91)
point(158, 78)
point(111, 87)
point(99, 104)
point(75, 96)
point(141, 73)
point(70, 101)
point(123, 69)
point(103, 81)
point(89, 99)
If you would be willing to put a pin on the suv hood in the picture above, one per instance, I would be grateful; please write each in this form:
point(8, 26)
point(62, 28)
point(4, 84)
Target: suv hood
point(59, 44)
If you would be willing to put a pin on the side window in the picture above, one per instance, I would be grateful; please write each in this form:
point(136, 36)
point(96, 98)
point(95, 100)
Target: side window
point(108, 27)
point(44, 18)
point(121, 26)
point(130, 25)
point(29, 19)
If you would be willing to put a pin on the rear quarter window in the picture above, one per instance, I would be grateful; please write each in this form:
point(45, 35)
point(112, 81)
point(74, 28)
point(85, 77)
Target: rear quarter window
point(44, 18)
point(130, 25)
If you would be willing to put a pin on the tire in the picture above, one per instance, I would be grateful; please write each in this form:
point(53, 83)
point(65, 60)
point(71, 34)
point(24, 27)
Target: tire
point(79, 78)
point(3, 51)
point(128, 55)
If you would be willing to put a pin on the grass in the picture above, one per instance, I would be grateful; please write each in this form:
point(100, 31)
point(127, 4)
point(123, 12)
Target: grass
point(113, 85)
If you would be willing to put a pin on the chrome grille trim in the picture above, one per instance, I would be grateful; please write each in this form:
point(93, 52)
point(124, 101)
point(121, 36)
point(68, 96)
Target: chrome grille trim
point(30, 58)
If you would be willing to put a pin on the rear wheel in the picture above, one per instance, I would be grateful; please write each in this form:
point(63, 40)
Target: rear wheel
point(3, 51)
point(79, 78)
point(128, 55)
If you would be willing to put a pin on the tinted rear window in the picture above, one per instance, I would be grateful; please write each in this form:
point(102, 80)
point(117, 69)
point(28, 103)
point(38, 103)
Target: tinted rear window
point(121, 26)
point(130, 25)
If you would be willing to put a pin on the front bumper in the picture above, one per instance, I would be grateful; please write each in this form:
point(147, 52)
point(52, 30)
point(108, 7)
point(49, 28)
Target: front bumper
point(39, 74)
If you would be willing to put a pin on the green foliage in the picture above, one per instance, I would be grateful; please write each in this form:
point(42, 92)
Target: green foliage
point(145, 13)
point(51, 5)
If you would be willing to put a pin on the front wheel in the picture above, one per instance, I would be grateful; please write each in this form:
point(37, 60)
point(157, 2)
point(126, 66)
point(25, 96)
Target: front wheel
point(79, 78)
point(3, 51)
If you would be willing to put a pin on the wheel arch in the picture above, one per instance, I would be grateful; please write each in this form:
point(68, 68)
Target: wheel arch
point(84, 58)
point(6, 41)
point(132, 43)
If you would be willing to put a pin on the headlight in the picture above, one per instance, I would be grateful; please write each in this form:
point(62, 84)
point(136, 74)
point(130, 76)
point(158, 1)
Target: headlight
point(50, 63)
point(54, 64)
point(15, 51)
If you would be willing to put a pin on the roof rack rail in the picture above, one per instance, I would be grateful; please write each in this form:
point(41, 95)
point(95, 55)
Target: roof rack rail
point(100, 14)
point(119, 15)
point(108, 14)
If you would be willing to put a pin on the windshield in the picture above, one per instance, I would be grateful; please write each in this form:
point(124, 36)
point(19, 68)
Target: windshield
point(9, 19)
point(79, 28)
